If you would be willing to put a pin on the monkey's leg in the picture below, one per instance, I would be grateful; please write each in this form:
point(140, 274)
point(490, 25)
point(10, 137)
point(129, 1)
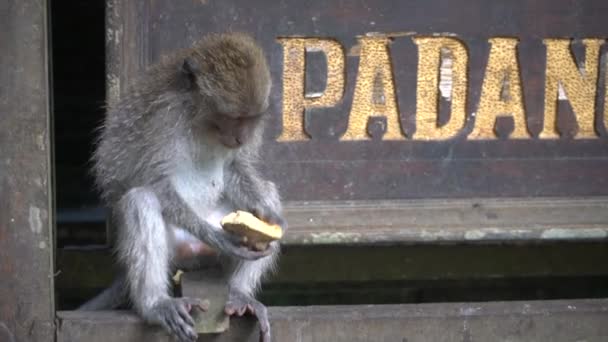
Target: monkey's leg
point(245, 280)
point(144, 249)
point(190, 252)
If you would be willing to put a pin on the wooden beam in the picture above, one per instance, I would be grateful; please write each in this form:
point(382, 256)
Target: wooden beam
point(421, 221)
point(447, 221)
point(84, 272)
point(573, 320)
point(319, 264)
point(27, 310)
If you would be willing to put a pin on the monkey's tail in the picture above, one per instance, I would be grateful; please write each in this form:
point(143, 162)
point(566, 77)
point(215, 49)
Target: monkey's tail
point(111, 298)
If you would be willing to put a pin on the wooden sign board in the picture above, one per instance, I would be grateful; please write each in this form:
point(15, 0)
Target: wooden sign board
point(399, 100)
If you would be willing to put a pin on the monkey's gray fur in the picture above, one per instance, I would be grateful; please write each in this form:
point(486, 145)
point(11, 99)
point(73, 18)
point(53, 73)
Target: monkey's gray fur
point(175, 155)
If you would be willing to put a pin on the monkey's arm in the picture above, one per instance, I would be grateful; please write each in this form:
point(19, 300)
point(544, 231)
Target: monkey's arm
point(144, 250)
point(225, 242)
point(248, 191)
point(177, 210)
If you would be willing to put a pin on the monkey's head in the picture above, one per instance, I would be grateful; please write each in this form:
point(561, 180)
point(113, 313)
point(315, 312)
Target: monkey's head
point(229, 75)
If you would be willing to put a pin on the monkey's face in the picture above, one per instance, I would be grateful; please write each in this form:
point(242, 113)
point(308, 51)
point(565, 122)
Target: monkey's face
point(234, 131)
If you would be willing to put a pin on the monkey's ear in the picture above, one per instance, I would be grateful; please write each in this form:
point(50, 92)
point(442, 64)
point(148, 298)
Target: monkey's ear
point(189, 69)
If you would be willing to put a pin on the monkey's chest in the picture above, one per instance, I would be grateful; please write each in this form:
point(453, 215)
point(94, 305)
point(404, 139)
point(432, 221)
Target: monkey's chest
point(200, 187)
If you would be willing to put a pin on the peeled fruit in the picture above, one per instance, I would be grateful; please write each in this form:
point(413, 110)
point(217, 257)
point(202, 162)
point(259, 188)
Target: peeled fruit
point(256, 233)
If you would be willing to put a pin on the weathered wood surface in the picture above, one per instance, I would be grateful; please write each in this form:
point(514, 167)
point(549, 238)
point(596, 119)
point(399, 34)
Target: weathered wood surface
point(575, 320)
point(327, 168)
point(26, 244)
point(416, 221)
point(471, 220)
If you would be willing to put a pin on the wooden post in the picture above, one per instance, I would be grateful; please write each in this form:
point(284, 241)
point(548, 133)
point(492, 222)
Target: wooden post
point(27, 310)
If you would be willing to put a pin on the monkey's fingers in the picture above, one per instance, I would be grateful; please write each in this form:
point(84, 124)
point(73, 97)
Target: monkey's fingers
point(268, 215)
point(195, 303)
point(265, 336)
point(238, 240)
point(259, 310)
point(174, 316)
point(236, 249)
point(181, 332)
point(248, 254)
point(185, 315)
point(239, 304)
point(241, 311)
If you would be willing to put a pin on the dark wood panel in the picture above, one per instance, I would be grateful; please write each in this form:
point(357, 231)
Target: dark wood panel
point(324, 274)
point(440, 178)
point(327, 168)
point(26, 212)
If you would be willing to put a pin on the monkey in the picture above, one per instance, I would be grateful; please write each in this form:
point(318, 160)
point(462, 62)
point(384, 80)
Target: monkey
point(176, 153)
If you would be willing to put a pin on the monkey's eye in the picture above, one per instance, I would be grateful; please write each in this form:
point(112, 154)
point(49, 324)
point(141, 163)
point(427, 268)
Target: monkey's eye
point(249, 118)
point(242, 119)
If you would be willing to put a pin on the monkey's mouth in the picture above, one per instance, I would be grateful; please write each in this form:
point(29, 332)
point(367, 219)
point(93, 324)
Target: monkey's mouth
point(230, 141)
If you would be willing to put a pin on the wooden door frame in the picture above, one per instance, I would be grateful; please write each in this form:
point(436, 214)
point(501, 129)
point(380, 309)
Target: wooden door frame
point(27, 310)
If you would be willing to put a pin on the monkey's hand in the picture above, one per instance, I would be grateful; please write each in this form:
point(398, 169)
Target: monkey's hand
point(240, 303)
point(269, 215)
point(233, 244)
point(174, 315)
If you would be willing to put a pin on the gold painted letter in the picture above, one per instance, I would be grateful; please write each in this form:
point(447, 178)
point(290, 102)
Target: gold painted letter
point(374, 91)
point(295, 101)
point(427, 90)
point(580, 86)
point(606, 100)
point(501, 93)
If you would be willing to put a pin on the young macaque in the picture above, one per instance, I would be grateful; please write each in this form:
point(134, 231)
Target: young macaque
point(175, 155)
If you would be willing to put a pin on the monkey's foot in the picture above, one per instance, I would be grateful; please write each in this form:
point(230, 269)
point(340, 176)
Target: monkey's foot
point(240, 303)
point(174, 315)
